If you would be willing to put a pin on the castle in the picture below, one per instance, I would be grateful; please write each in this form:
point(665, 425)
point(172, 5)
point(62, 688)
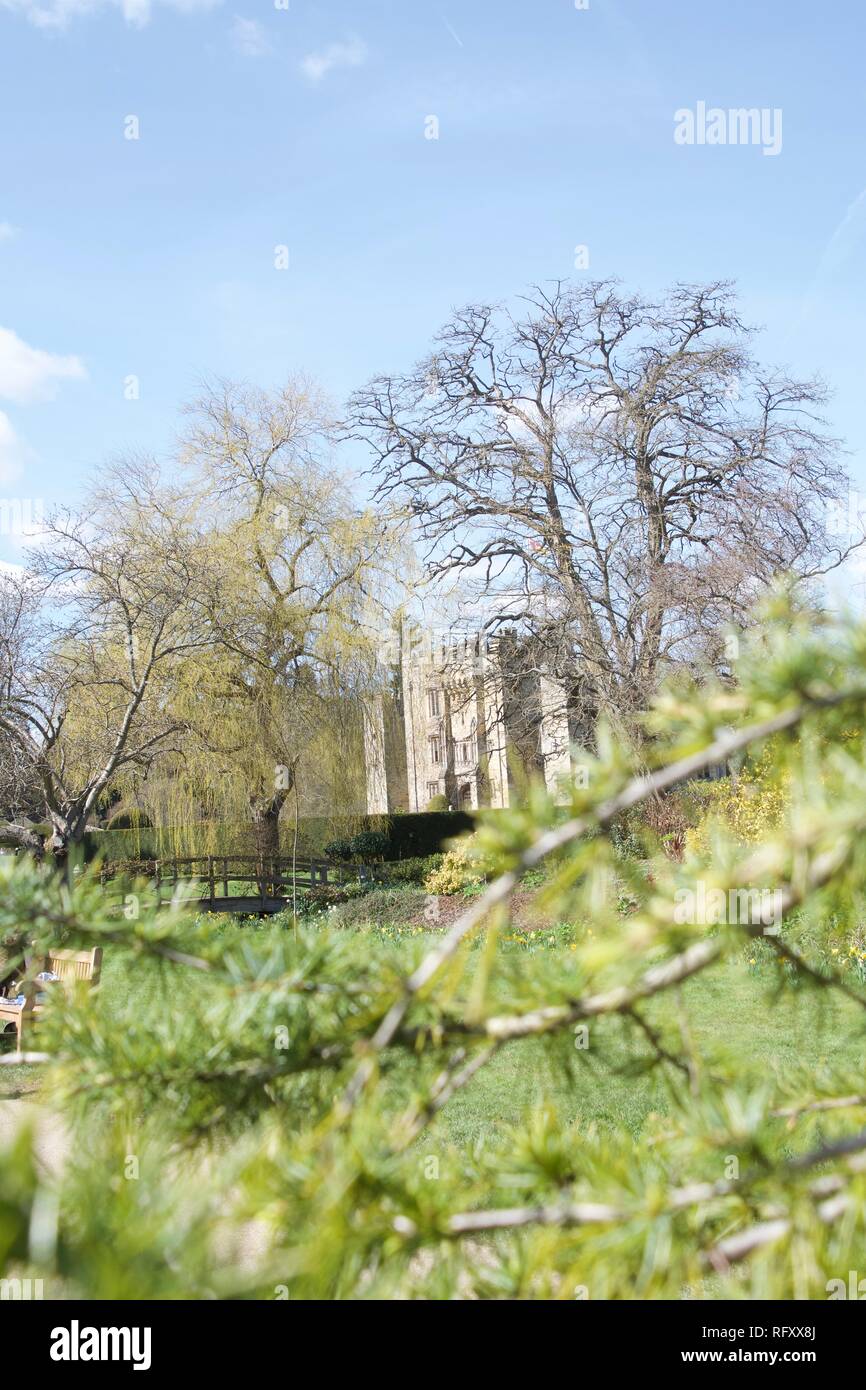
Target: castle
point(462, 721)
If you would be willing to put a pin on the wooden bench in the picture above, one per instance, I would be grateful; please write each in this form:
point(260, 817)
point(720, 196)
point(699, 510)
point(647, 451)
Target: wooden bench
point(70, 967)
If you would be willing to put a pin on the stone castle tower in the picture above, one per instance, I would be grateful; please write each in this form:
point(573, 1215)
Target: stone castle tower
point(465, 718)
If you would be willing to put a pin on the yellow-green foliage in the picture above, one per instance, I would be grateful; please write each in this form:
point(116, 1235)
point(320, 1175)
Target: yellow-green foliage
point(272, 703)
point(749, 806)
point(461, 867)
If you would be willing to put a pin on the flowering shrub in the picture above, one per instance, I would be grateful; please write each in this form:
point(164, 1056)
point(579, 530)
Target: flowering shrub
point(750, 806)
point(462, 867)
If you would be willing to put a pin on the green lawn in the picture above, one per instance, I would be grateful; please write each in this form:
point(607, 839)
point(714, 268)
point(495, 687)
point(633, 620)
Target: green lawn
point(730, 1015)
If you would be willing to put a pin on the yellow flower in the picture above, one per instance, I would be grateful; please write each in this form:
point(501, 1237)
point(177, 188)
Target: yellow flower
point(835, 951)
point(752, 961)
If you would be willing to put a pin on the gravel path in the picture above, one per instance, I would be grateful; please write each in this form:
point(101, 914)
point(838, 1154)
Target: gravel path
point(52, 1140)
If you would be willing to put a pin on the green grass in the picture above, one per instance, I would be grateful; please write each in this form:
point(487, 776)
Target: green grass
point(730, 1018)
point(730, 1014)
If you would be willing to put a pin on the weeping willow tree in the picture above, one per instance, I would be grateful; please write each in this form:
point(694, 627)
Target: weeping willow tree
point(272, 709)
point(254, 758)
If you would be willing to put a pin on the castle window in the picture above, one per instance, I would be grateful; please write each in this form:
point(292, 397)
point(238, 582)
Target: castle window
point(433, 703)
point(435, 746)
point(465, 752)
point(432, 790)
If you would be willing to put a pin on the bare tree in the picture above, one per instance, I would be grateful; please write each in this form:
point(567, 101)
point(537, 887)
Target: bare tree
point(20, 802)
point(614, 477)
point(111, 601)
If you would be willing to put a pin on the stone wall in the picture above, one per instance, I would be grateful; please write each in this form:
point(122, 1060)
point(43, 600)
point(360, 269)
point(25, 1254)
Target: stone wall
point(466, 719)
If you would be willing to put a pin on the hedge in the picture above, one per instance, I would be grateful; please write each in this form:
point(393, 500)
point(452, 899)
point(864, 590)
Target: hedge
point(409, 836)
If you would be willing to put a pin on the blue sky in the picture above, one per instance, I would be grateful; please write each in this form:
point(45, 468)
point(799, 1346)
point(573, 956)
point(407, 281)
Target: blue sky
point(305, 127)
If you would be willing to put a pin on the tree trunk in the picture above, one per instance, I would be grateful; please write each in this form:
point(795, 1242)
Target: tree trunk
point(266, 828)
point(22, 837)
point(67, 836)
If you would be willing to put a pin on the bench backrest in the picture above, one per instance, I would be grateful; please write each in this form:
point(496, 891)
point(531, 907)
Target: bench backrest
point(76, 965)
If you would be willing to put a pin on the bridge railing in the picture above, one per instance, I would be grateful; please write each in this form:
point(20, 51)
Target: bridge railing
point(221, 875)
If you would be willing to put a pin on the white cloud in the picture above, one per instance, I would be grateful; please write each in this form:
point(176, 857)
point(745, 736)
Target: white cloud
point(7, 231)
point(26, 374)
point(136, 12)
point(58, 14)
point(191, 6)
point(29, 374)
point(350, 54)
point(249, 37)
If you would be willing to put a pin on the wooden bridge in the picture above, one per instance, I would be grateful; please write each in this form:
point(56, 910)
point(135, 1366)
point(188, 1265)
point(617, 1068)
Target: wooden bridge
point(239, 883)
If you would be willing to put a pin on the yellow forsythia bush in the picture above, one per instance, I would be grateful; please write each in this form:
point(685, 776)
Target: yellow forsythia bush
point(750, 807)
point(461, 867)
